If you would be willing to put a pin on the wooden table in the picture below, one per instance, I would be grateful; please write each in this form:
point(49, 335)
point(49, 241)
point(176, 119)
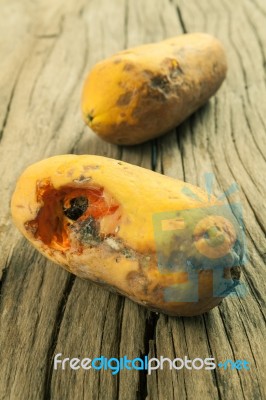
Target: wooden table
point(46, 49)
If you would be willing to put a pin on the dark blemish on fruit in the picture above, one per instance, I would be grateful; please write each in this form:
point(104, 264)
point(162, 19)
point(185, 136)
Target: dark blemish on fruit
point(175, 72)
point(82, 179)
point(138, 280)
point(159, 81)
point(235, 272)
point(128, 253)
point(88, 230)
point(122, 114)
point(31, 226)
point(173, 66)
point(128, 67)
point(89, 118)
point(157, 291)
point(78, 206)
point(124, 99)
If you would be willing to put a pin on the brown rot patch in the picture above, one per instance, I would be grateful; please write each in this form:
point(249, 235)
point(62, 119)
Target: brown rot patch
point(138, 281)
point(147, 74)
point(175, 72)
point(160, 82)
point(129, 67)
point(69, 210)
point(124, 99)
point(173, 67)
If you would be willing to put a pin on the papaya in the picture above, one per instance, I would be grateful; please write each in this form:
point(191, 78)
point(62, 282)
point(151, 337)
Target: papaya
point(159, 241)
point(141, 93)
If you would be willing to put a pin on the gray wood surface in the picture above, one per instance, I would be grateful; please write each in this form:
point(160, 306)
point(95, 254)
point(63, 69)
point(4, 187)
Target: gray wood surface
point(46, 50)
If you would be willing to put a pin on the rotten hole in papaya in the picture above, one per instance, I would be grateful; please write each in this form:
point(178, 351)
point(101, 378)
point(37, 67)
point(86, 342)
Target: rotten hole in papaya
point(78, 206)
point(66, 210)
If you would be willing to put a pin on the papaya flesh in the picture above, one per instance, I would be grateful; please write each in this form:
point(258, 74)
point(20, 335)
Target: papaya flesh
point(141, 93)
point(149, 237)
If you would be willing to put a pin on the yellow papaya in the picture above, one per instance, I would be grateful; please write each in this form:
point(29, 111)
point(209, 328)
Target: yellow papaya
point(154, 239)
point(141, 93)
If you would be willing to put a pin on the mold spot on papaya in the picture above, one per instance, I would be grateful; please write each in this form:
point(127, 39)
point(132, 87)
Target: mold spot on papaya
point(113, 244)
point(128, 253)
point(87, 230)
point(124, 99)
point(128, 67)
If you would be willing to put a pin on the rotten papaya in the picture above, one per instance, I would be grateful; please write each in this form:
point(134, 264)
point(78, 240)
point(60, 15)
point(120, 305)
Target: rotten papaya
point(143, 92)
point(131, 229)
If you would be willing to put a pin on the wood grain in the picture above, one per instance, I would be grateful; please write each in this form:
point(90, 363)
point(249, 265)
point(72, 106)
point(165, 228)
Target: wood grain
point(46, 50)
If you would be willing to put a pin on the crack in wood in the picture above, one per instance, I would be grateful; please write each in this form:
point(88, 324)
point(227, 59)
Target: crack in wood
point(256, 34)
point(10, 100)
point(214, 371)
point(119, 342)
point(154, 154)
point(181, 20)
point(256, 293)
point(54, 337)
point(149, 335)
point(232, 350)
point(250, 129)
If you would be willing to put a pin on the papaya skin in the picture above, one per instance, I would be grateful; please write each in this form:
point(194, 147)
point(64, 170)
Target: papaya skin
point(94, 217)
point(142, 93)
